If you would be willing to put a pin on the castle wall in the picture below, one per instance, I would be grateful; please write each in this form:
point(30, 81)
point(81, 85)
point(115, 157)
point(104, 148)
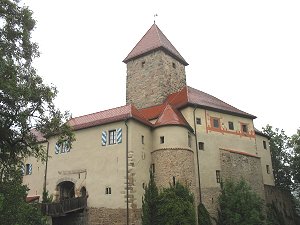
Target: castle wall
point(151, 78)
point(35, 180)
point(266, 162)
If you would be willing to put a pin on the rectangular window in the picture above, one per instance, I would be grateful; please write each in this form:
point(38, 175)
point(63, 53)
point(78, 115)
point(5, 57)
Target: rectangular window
point(108, 190)
point(112, 137)
point(162, 139)
point(265, 144)
point(201, 145)
point(143, 139)
point(245, 128)
point(216, 122)
point(268, 168)
point(230, 125)
point(198, 121)
point(218, 176)
point(28, 169)
point(189, 140)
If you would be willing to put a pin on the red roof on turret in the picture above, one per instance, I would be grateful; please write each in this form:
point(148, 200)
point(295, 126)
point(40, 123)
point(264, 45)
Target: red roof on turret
point(171, 116)
point(153, 40)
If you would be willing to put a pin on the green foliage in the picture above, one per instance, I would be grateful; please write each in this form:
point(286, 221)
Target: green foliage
point(172, 206)
point(274, 216)
point(203, 215)
point(46, 197)
point(26, 102)
point(176, 206)
point(239, 205)
point(14, 210)
point(295, 161)
point(281, 157)
point(149, 204)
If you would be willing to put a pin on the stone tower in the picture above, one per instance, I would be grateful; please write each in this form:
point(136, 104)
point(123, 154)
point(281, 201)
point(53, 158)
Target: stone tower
point(155, 69)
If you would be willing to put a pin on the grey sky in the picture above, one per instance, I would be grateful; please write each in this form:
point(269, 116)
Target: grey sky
point(247, 53)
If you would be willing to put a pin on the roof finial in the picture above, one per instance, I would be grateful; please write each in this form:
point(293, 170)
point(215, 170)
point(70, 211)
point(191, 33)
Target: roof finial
point(155, 15)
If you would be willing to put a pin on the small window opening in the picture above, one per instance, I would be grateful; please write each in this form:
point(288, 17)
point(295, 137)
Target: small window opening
point(143, 185)
point(174, 181)
point(108, 190)
point(153, 168)
point(143, 139)
point(143, 64)
point(189, 140)
point(216, 122)
point(265, 144)
point(201, 145)
point(230, 125)
point(162, 139)
point(268, 169)
point(244, 128)
point(218, 176)
point(174, 65)
point(198, 121)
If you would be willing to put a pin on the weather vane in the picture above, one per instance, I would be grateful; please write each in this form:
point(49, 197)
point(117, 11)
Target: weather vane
point(155, 15)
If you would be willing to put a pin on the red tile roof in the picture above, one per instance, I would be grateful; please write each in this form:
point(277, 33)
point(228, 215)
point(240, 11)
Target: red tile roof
point(108, 116)
point(39, 136)
point(154, 39)
point(171, 116)
point(193, 96)
point(166, 113)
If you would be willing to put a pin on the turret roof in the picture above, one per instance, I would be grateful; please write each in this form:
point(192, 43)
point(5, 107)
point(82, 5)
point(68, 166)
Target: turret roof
point(171, 116)
point(153, 40)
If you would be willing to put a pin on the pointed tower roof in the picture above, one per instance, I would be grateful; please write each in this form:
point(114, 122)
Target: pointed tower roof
point(171, 116)
point(153, 40)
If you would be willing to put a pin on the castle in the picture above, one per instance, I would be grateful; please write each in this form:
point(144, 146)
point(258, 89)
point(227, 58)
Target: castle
point(180, 133)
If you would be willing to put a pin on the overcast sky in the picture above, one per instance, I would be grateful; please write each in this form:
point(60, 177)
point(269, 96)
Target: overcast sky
point(246, 53)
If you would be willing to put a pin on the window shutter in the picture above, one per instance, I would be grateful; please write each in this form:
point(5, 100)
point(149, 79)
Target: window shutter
point(104, 138)
point(57, 147)
point(67, 146)
point(30, 169)
point(119, 135)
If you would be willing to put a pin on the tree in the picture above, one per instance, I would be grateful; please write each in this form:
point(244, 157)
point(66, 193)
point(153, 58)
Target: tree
point(15, 210)
point(26, 104)
point(295, 167)
point(203, 215)
point(239, 205)
point(149, 203)
point(280, 154)
point(176, 206)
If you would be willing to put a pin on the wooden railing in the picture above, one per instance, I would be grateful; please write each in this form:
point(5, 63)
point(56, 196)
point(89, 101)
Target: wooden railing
point(63, 207)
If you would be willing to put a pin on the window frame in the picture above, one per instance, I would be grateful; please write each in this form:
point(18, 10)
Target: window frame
point(112, 139)
point(215, 119)
point(108, 190)
point(244, 128)
point(198, 121)
point(230, 125)
point(201, 146)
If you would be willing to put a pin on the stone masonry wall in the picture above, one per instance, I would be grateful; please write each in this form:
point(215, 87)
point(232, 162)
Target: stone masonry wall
point(151, 78)
point(178, 163)
point(236, 166)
